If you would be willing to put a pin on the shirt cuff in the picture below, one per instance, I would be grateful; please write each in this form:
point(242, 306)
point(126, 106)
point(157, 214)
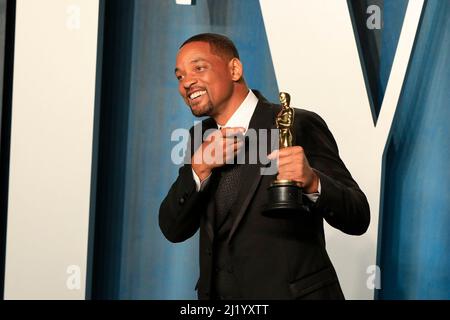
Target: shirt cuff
point(200, 185)
point(314, 196)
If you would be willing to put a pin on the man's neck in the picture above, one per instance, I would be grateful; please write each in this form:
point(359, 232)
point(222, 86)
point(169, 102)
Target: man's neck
point(239, 97)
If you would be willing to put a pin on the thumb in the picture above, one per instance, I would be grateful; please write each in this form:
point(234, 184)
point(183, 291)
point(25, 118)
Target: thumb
point(273, 155)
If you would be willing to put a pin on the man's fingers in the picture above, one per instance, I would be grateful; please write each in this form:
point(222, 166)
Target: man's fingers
point(233, 132)
point(284, 160)
point(233, 147)
point(232, 151)
point(290, 151)
point(238, 145)
point(289, 161)
point(229, 143)
point(286, 153)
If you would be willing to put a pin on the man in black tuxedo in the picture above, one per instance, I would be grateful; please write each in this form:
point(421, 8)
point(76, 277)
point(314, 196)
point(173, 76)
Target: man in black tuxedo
point(243, 253)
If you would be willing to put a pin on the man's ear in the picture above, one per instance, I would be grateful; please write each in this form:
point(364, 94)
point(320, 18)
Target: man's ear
point(236, 69)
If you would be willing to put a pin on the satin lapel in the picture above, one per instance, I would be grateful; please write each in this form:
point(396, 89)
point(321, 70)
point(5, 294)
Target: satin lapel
point(209, 219)
point(210, 214)
point(263, 118)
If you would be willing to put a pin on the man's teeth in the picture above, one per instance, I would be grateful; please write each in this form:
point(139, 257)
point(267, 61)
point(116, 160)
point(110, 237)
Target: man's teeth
point(196, 94)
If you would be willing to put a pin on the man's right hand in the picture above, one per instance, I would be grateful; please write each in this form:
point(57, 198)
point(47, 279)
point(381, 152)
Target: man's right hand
point(218, 149)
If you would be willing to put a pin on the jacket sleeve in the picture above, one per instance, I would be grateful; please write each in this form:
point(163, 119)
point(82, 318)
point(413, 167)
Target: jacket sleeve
point(341, 202)
point(182, 208)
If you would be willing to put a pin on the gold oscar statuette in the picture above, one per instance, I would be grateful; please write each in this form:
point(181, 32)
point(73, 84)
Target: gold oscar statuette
point(284, 196)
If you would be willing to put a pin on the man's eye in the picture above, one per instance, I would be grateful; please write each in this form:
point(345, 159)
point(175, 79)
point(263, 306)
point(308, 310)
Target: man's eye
point(199, 68)
point(179, 78)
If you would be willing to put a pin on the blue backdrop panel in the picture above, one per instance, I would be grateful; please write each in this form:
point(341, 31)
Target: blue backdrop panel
point(414, 241)
point(146, 265)
point(377, 46)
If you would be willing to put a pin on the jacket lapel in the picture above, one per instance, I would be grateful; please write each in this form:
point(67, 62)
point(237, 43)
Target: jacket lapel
point(210, 210)
point(263, 118)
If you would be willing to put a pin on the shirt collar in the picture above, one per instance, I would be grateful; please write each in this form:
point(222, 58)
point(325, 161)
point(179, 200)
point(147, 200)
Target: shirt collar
point(241, 117)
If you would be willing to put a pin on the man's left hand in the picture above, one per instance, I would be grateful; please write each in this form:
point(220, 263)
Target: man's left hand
point(293, 165)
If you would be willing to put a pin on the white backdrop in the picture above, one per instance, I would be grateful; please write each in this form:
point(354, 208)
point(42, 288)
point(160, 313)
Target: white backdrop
point(51, 149)
point(316, 59)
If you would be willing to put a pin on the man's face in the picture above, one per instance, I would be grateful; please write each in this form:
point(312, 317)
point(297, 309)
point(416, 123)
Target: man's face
point(204, 79)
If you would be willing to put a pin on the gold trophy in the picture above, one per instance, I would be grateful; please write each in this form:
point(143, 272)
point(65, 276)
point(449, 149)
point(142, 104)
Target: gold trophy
point(284, 196)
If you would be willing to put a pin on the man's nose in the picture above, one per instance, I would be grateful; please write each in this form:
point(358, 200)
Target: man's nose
point(188, 82)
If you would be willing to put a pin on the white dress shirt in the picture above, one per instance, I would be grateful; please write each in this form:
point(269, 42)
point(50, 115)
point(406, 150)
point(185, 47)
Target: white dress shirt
point(241, 118)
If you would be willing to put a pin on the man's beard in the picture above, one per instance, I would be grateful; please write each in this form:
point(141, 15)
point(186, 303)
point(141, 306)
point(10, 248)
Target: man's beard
point(206, 111)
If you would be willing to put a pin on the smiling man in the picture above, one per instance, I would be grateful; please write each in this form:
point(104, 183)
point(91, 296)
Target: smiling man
point(244, 254)
point(208, 85)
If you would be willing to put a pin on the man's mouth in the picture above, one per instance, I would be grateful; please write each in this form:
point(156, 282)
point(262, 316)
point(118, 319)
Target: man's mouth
point(197, 94)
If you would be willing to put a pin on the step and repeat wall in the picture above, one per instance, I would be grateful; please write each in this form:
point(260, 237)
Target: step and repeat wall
point(94, 104)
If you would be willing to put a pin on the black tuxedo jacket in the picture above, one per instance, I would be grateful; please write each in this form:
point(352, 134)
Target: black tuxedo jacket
point(271, 258)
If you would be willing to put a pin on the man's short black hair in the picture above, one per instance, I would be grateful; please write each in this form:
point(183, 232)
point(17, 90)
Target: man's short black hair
point(220, 44)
